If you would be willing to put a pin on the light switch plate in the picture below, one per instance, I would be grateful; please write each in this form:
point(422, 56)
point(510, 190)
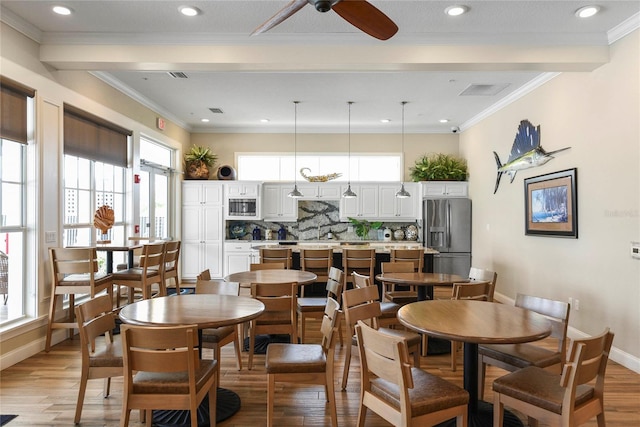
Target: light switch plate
point(635, 250)
point(49, 236)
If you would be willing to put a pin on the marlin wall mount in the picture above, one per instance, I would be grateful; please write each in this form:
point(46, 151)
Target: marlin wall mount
point(526, 152)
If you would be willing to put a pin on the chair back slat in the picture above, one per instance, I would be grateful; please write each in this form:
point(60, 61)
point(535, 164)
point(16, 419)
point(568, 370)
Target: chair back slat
point(279, 255)
point(217, 287)
point(557, 312)
point(160, 349)
point(66, 261)
point(589, 356)
point(414, 256)
point(267, 266)
point(330, 324)
point(478, 291)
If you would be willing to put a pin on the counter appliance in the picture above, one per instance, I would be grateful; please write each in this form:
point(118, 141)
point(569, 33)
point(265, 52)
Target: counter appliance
point(447, 229)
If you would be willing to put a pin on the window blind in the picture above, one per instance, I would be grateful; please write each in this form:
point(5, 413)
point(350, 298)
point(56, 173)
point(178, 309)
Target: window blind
point(94, 138)
point(13, 109)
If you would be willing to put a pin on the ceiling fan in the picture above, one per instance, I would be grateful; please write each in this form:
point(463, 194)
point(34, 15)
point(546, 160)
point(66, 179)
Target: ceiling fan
point(359, 13)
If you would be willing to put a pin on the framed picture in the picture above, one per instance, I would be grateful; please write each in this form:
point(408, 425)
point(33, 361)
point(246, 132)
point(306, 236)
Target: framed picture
point(551, 204)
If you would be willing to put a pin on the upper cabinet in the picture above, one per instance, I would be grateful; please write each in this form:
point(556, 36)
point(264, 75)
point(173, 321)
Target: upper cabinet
point(437, 189)
point(365, 205)
point(202, 193)
point(277, 205)
point(242, 189)
point(392, 208)
point(319, 191)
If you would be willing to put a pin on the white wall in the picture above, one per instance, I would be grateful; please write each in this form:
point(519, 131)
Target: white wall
point(598, 115)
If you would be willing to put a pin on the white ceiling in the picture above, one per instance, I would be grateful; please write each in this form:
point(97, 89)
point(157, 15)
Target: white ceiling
point(320, 59)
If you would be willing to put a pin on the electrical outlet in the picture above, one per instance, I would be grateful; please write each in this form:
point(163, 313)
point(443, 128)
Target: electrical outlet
point(49, 236)
point(576, 304)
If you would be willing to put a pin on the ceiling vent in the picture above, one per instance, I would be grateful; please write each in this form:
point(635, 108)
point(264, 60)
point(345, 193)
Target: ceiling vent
point(483, 90)
point(177, 74)
point(216, 110)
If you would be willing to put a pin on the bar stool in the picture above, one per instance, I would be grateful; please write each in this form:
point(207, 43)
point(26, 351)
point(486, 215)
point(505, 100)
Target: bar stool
point(268, 255)
point(317, 261)
point(361, 261)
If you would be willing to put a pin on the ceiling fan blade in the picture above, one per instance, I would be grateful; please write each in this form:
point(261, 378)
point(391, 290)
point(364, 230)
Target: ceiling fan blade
point(282, 14)
point(366, 17)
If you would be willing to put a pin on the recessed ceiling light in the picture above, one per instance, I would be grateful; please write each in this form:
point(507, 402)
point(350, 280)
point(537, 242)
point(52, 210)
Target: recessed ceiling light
point(189, 11)
point(456, 10)
point(62, 10)
point(386, 120)
point(587, 11)
point(444, 120)
point(264, 120)
point(204, 120)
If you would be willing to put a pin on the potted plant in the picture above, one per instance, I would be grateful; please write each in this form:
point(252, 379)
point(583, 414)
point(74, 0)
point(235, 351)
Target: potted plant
point(362, 227)
point(198, 160)
point(439, 167)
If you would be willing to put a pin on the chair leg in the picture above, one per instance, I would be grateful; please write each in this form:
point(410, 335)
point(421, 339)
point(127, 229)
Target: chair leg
point(362, 414)
point(347, 363)
point(252, 339)
point(331, 398)
point(126, 412)
point(213, 399)
point(52, 313)
point(237, 347)
point(303, 326)
point(482, 370)
point(81, 392)
point(107, 387)
point(454, 356)
point(271, 386)
point(601, 421)
point(498, 411)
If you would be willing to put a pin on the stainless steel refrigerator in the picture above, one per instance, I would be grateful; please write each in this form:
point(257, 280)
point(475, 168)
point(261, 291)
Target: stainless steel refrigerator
point(447, 229)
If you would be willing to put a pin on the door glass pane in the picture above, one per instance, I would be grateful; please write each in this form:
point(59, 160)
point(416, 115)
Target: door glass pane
point(145, 193)
point(11, 204)
point(161, 205)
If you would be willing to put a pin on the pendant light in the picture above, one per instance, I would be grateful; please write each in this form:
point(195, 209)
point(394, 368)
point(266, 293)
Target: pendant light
point(402, 194)
point(295, 194)
point(349, 194)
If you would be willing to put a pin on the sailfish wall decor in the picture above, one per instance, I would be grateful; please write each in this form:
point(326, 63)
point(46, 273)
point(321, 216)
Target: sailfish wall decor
point(526, 152)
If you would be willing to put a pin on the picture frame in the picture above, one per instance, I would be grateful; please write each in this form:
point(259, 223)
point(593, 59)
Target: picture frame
point(551, 204)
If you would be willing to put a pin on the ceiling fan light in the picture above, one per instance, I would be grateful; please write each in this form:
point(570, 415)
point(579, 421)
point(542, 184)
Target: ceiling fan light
point(349, 194)
point(295, 194)
point(62, 10)
point(402, 193)
point(189, 11)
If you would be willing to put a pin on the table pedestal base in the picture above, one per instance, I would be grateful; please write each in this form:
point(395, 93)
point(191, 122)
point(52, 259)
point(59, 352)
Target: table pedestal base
point(484, 418)
point(227, 402)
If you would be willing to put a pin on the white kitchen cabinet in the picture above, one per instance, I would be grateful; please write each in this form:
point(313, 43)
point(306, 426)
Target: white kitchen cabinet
point(238, 256)
point(202, 228)
point(277, 205)
point(392, 208)
point(242, 189)
point(365, 205)
point(320, 191)
point(436, 189)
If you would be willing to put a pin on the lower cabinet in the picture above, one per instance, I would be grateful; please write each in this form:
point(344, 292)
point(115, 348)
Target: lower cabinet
point(199, 256)
point(238, 256)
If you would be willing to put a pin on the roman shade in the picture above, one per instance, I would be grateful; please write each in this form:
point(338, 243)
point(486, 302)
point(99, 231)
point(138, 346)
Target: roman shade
point(13, 109)
point(91, 137)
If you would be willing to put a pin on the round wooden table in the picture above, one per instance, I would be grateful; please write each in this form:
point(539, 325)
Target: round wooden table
point(206, 311)
point(273, 276)
point(423, 281)
point(475, 322)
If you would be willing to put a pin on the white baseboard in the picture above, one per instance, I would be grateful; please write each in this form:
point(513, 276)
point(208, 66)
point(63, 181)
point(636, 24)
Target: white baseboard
point(30, 349)
point(625, 359)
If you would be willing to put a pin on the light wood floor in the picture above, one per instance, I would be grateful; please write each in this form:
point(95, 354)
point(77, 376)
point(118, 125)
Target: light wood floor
point(42, 390)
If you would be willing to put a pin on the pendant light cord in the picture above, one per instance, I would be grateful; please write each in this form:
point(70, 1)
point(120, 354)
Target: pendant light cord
point(349, 158)
point(402, 153)
point(295, 142)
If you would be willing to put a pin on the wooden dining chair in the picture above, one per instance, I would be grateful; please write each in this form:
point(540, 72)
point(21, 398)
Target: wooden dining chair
point(306, 363)
point(216, 338)
point(568, 399)
point(361, 261)
point(171, 258)
point(477, 291)
point(162, 370)
point(390, 291)
point(483, 275)
point(96, 322)
point(318, 262)
point(512, 357)
point(73, 271)
point(364, 304)
point(278, 255)
point(150, 272)
point(279, 315)
point(314, 307)
point(401, 394)
point(267, 266)
point(389, 316)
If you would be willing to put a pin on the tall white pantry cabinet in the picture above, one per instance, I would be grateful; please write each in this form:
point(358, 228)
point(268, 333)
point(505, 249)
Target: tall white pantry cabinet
point(202, 228)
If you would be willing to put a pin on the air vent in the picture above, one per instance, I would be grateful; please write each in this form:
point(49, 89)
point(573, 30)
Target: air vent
point(216, 110)
point(177, 74)
point(483, 90)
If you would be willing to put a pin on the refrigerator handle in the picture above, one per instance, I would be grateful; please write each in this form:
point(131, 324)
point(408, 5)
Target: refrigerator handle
point(447, 233)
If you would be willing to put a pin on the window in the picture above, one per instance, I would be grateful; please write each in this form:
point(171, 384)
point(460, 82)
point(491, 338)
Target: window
point(12, 229)
point(279, 167)
point(155, 189)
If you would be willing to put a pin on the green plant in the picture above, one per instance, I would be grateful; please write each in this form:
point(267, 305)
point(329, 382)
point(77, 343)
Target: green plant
point(439, 167)
point(363, 226)
point(203, 154)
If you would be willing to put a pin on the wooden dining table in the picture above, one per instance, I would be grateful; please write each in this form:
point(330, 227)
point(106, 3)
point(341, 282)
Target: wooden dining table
point(205, 311)
point(273, 276)
point(110, 248)
point(421, 280)
point(473, 323)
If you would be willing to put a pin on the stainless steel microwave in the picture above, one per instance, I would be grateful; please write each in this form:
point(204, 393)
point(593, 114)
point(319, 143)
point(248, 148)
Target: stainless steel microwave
point(243, 208)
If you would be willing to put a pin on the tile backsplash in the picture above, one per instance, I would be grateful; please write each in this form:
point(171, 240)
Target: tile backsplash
point(315, 220)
